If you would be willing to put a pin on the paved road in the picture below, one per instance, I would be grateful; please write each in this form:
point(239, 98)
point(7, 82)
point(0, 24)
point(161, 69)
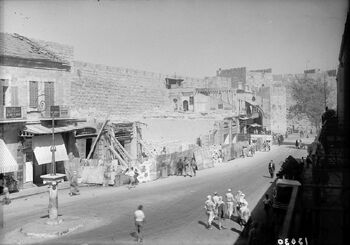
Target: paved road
point(173, 206)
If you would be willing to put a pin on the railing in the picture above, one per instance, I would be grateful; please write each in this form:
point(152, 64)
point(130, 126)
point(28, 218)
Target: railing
point(288, 219)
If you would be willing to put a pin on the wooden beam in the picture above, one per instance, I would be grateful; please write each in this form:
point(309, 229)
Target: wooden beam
point(96, 140)
point(118, 156)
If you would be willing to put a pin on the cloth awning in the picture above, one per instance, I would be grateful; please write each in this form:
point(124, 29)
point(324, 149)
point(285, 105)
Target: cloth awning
point(255, 125)
point(7, 161)
point(40, 129)
point(36, 129)
point(41, 146)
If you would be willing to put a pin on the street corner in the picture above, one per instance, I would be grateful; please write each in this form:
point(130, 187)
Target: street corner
point(41, 229)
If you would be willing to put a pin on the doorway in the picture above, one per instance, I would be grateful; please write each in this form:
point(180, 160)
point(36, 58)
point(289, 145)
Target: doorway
point(88, 147)
point(185, 105)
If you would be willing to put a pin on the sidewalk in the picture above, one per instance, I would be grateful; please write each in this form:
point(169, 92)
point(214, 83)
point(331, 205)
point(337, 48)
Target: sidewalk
point(26, 192)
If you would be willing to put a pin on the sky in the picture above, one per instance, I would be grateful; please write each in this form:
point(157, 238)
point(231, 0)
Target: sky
point(190, 38)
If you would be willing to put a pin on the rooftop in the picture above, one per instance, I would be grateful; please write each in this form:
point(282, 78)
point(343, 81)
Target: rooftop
point(17, 46)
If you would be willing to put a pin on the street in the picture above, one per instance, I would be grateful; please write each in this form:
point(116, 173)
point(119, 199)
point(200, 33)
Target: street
point(173, 206)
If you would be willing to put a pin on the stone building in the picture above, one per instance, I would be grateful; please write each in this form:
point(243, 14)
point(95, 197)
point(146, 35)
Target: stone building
point(34, 76)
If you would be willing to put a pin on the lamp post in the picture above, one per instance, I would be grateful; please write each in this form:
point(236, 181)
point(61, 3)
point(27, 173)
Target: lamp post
point(53, 178)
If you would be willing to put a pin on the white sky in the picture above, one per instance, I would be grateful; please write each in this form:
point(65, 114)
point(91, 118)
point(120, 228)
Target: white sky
point(192, 38)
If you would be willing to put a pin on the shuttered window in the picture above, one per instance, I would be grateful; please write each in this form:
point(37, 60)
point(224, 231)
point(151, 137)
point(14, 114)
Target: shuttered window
point(14, 96)
point(49, 91)
point(33, 94)
point(3, 94)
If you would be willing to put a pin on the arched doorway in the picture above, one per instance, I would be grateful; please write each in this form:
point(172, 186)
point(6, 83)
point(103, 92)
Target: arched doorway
point(185, 105)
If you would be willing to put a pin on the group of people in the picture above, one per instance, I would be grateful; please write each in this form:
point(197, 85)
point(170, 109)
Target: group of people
point(233, 205)
point(217, 153)
point(299, 144)
point(186, 167)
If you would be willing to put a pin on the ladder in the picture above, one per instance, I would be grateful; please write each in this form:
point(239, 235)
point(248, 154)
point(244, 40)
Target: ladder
point(119, 148)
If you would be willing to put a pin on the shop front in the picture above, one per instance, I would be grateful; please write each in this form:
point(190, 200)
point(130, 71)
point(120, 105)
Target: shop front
point(38, 143)
point(8, 165)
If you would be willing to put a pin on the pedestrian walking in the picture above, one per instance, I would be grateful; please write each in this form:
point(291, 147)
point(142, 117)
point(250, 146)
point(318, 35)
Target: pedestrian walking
point(230, 203)
point(194, 166)
point(118, 175)
point(179, 167)
point(267, 205)
point(107, 174)
point(71, 169)
point(221, 212)
point(216, 201)
point(308, 161)
point(209, 206)
point(140, 220)
point(188, 168)
point(271, 168)
point(131, 174)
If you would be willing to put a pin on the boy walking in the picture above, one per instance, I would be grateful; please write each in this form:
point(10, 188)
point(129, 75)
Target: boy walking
point(139, 222)
point(209, 206)
point(229, 200)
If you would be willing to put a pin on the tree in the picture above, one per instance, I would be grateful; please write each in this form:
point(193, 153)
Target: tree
point(309, 95)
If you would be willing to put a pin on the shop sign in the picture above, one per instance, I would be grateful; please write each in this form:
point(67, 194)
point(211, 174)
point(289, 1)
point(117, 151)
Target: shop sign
point(55, 111)
point(85, 131)
point(13, 112)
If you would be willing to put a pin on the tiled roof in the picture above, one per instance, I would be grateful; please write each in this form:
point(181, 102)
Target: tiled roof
point(14, 45)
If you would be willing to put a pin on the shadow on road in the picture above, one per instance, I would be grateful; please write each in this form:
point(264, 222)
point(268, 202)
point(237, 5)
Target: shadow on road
point(133, 234)
point(47, 216)
point(202, 223)
point(235, 230)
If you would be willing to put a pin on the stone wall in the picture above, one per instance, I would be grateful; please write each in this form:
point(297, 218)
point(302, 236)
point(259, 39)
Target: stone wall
point(278, 109)
point(98, 91)
point(237, 75)
point(257, 79)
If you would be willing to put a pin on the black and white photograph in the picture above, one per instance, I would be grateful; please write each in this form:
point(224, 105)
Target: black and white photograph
point(214, 122)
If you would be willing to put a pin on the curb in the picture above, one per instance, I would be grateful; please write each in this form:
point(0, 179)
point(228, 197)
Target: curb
point(40, 191)
point(54, 234)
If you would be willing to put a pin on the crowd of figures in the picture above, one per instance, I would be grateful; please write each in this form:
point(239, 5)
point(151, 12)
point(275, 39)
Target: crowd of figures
point(233, 208)
point(186, 167)
point(216, 153)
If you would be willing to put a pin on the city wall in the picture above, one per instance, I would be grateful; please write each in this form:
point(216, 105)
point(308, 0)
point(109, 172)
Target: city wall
point(98, 91)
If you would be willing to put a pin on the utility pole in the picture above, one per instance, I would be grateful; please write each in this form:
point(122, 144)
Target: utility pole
point(53, 178)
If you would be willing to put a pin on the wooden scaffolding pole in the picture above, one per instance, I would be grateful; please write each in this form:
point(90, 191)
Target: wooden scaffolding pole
point(96, 140)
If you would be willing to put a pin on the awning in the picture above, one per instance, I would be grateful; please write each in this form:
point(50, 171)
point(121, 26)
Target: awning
point(36, 129)
point(7, 161)
point(255, 125)
point(41, 146)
